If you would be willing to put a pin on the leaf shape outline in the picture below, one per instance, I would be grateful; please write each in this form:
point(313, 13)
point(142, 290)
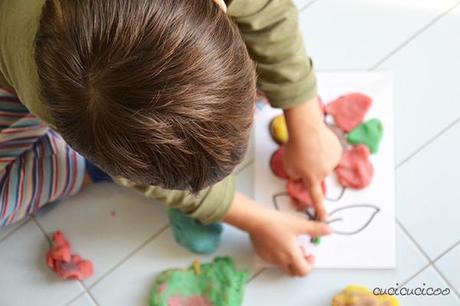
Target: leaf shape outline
point(335, 217)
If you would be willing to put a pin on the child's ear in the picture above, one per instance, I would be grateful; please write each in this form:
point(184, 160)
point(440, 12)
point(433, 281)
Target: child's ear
point(222, 5)
point(352, 219)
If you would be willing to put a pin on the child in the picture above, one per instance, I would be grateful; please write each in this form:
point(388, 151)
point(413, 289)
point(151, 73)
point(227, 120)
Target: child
point(160, 95)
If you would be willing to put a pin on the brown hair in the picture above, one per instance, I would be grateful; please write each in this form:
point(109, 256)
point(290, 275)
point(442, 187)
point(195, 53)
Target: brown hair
point(157, 91)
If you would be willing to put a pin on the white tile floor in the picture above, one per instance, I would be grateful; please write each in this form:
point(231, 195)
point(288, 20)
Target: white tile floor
point(418, 41)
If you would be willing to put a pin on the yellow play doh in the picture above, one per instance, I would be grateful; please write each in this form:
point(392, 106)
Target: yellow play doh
point(355, 295)
point(278, 129)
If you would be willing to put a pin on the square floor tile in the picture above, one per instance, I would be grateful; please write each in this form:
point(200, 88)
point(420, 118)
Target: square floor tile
point(426, 279)
point(25, 279)
point(84, 300)
point(134, 279)
point(272, 288)
point(427, 194)
point(105, 222)
point(449, 266)
point(426, 87)
point(356, 34)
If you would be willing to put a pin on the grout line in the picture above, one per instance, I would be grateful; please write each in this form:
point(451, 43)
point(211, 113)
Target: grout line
point(446, 251)
point(415, 275)
point(456, 292)
point(435, 267)
point(451, 287)
point(133, 252)
point(303, 8)
point(90, 294)
point(75, 298)
point(413, 36)
point(414, 241)
point(428, 142)
point(256, 275)
point(41, 229)
point(85, 291)
point(18, 226)
point(430, 262)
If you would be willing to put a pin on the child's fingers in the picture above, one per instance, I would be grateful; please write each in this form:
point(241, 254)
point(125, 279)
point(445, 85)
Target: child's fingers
point(312, 228)
point(287, 269)
point(300, 266)
point(311, 259)
point(308, 256)
point(316, 194)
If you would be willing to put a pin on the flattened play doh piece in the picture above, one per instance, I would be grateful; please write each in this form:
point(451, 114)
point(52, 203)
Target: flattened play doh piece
point(217, 284)
point(299, 193)
point(278, 129)
point(190, 233)
point(276, 163)
point(369, 133)
point(65, 264)
point(349, 110)
point(355, 295)
point(355, 169)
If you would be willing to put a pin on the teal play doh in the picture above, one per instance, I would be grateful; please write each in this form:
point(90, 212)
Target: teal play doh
point(190, 233)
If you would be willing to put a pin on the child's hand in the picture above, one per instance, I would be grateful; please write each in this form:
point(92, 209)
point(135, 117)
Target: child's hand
point(312, 152)
point(274, 234)
point(275, 240)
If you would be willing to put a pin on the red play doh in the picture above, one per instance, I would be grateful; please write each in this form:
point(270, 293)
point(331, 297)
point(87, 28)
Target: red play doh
point(60, 250)
point(349, 110)
point(65, 264)
point(276, 163)
point(77, 268)
point(299, 193)
point(194, 300)
point(355, 169)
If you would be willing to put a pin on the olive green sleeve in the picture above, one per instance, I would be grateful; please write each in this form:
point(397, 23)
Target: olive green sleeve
point(271, 32)
point(208, 206)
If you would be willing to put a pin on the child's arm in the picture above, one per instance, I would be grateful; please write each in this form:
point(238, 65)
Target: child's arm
point(273, 234)
point(285, 73)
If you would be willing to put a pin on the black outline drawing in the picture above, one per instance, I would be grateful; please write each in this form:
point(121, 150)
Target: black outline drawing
point(309, 212)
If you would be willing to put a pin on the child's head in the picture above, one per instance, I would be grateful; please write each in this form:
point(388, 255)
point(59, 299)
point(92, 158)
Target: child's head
point(157, 91)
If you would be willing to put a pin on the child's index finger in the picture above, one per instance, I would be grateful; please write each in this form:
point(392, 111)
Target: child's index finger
point(316, 194)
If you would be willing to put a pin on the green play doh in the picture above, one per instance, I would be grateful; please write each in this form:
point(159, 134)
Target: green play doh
point(316, 240)
point(368, 133)
point(196, 237)
point(214, 284)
